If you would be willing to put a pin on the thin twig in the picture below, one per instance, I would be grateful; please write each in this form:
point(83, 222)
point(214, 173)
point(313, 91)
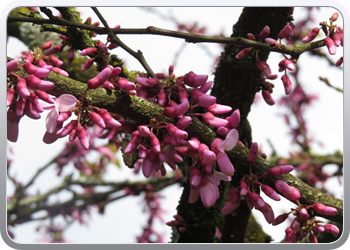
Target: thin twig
point(114, 39)
point(295, 51)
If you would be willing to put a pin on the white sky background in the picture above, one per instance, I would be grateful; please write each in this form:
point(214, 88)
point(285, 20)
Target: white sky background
point(123, 220)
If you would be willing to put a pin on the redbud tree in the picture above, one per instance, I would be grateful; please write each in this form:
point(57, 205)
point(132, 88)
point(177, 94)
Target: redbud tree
point(174, 129)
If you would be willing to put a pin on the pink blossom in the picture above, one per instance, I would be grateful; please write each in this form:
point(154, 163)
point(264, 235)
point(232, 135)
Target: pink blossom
point(330, 45)
point(232, 202)
point(311, 36)
point(63, 103)
point(322, 209)
point(264, 33)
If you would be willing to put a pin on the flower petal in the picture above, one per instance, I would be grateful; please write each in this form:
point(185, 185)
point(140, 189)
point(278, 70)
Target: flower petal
point(51, 121)
point(65, 102)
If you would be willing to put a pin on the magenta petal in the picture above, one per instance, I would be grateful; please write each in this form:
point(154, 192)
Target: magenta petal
point(208, 194)
point(225, 164)
point(51, 121)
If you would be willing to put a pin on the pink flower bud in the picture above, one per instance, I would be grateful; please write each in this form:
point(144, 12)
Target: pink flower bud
point(235, 118)
point(225, 164)
point(253, 153)
point(264, 67)
point(64, 116)
point(264, 33)
point(322, 209)
point(267, 97)
point(32, 69)
point(318, 229)
point(303, 214)
point(183, 122)
point(147, 168)
point(134, 142)
point(10, 95)
point(108, 85)
point(213, 121)
point(21, 103)
point(97, 119)
point(242, 54)
point(338, 38)
point(289, 192)
point(12, 65)
point(174, 131)
point(70, 56)
point(60, 71)
point(55, 61)
point(335, 16)
point(280, 170)
point(116, 71)
point(330, 228)
point(279, 219)
point(267, 212)
point(83, 136)
point(287, 84)
point(332, 49)
point(87, 64)
point(108, 119)
point(312, 238)
point(88, 51)
point(232, 202)
point(218, 108)
point(209, 157)
point(37, 83)
point(290, 235)
point(202, 99)
point(206, 87)
point(270, 192)
point(311, 36)
point(67, 129)
point(54, 50)
point(144, 131)
point(195, 176)
point(223, 131)
point(288, 64)
point(12, 125)
point(271, 41)
point(339, 62)
point(100, 78)
point(46, 45)
point(22, 88)
point(183, 95)
point(284, 32)
point(155, 142)
point(244, 187)
point(30, 111)
point(256, 200)
point(193, 143)
point(251, 37)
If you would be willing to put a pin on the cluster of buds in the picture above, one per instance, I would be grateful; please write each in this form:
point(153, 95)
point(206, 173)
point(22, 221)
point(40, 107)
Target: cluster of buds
point(305, 224)
point(267, 87)
point(334, 37)
point(250, 188)
point(179, 223)
point(24, 93)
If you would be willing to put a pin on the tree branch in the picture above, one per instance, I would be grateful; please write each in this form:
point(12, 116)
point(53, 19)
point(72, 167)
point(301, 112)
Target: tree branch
point(295, 51)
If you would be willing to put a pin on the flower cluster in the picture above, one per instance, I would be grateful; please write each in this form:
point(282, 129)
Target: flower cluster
point(24, 93)
point(305, 224)
point(250, 188)
point(334, 37)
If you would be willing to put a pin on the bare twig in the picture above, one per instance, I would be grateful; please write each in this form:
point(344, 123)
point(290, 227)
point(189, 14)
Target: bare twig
point(114, 39)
